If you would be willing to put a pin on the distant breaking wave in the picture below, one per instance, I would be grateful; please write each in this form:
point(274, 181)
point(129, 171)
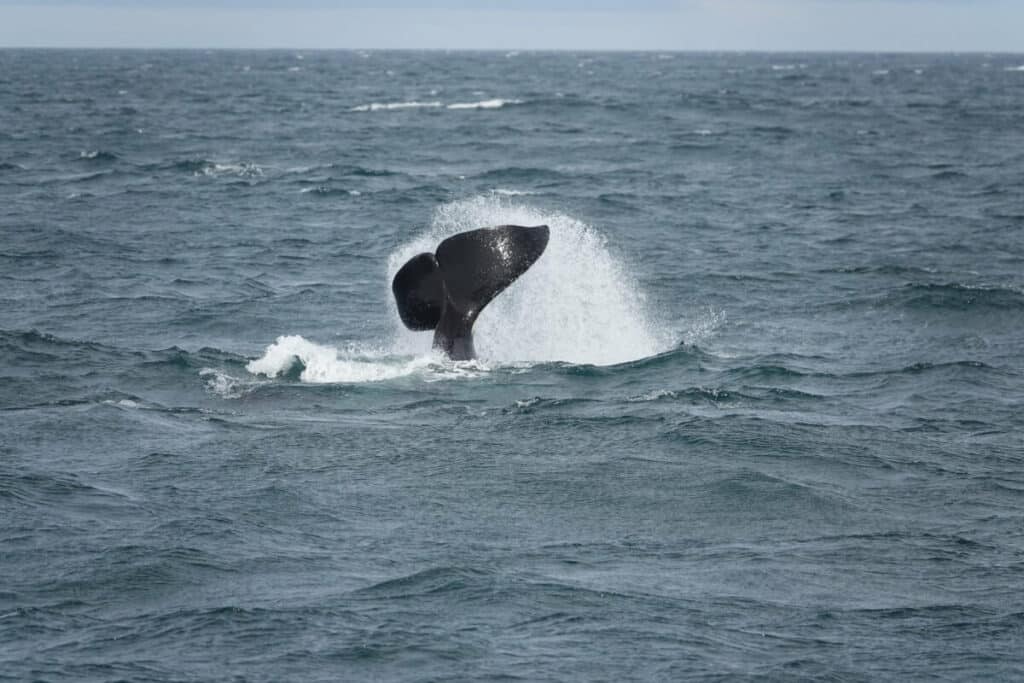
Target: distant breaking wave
point(496, 103)
point(484, 104)
point(205, 167)
point(391, 106)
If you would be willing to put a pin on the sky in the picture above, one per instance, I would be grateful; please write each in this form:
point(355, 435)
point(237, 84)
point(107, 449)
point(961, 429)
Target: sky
point(775, 25)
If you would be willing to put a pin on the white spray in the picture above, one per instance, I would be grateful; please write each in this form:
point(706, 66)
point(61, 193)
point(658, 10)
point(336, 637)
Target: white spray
point(576, 304)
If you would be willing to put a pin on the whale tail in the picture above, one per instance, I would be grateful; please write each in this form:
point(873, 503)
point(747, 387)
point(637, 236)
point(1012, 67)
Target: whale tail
point(446, 291)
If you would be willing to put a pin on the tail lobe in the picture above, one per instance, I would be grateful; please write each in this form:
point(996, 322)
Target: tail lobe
point(446, 292)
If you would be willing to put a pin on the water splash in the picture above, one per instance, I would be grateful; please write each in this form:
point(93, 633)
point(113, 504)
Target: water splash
point(577, 304)
point(320, 364)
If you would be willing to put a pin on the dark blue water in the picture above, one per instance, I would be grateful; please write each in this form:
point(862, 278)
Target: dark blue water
point(756, 413)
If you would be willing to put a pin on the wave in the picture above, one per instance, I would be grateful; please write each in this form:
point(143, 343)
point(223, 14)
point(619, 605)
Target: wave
point(97, 155)
point(882, 269)
point(340, 170)
point(325, 191)
point(483, 104)
point(936, 296)
point(771, 372)
point(426, 582)
point(522, 174)
point(956, 296)
point(720, 396)
point(226, 385)
point(949, 175)
point(203, 167)
point(511, 193)
point(45, 489)
point(33, 344)
point(394, 106)
point(495, 103)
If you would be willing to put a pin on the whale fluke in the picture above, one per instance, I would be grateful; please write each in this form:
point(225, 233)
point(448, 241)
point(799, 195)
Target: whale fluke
point(446, 291)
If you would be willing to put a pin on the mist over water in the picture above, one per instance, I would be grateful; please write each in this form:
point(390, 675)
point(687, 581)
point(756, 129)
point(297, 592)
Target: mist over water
point(755, 414)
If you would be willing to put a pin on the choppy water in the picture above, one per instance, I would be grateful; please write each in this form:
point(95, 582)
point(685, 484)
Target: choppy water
point(757, 412)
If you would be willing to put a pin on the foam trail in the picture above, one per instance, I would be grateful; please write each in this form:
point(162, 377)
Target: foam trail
point(328, 365)
point(577, 304)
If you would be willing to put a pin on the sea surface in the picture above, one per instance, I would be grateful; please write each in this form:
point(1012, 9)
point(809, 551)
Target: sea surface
point(756, 414)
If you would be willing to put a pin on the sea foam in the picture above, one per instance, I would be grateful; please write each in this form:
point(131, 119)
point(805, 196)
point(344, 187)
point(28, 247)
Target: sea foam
point(322, 364)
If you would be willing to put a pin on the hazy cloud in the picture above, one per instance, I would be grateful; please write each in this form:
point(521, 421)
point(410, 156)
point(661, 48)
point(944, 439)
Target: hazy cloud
point(872, 25)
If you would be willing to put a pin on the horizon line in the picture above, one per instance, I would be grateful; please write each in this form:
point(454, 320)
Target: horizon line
point(533, 50)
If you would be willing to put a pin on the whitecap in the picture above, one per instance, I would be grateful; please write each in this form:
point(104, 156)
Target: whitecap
point(224, 385)
point(122, 403)
point(511, 193)
point(324, 189)
point(244, 169)
point(654, 395)
point(392, 106)
point(483, 104)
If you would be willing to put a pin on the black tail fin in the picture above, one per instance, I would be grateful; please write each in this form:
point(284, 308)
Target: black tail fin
point(419, 292)
point(447, 292)
point(478, 265)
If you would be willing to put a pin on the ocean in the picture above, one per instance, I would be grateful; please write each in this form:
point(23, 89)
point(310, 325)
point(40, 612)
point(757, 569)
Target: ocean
point(757, 413)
